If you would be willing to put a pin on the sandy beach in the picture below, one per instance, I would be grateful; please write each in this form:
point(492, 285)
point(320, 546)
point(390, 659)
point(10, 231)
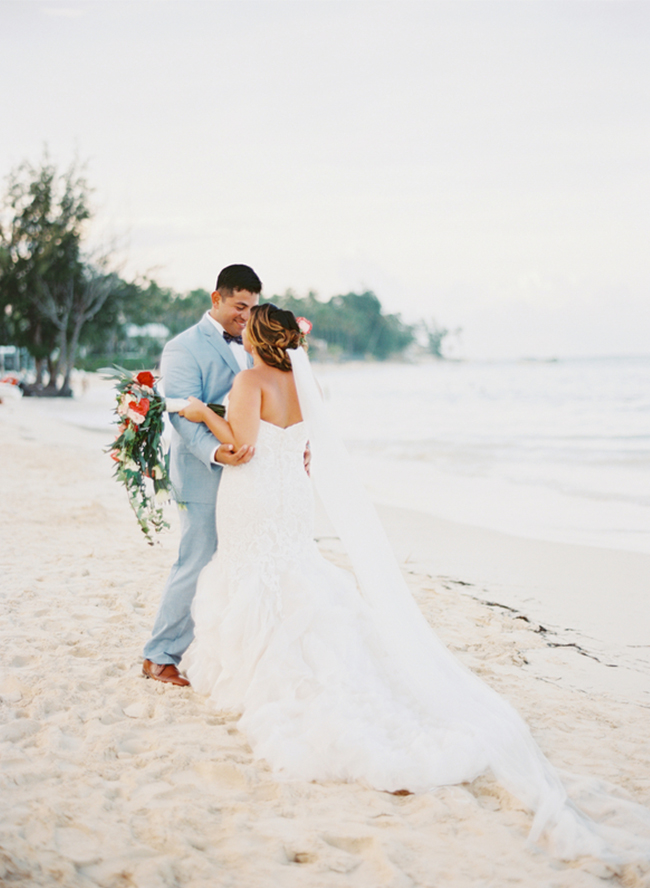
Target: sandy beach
point(112, 780)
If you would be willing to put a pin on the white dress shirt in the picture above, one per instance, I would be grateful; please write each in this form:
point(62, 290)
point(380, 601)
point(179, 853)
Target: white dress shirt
point(240, 356)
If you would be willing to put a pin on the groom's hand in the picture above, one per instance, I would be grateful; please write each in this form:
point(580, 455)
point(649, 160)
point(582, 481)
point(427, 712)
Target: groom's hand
point(228, 456)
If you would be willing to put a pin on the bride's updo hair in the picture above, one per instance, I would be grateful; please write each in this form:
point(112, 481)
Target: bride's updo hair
point(271, 331)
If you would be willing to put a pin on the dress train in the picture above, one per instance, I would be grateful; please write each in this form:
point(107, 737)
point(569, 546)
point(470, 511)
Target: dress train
point(336, 681)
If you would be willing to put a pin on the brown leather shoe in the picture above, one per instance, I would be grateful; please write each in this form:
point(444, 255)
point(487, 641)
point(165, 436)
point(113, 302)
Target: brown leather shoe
point(167, 673)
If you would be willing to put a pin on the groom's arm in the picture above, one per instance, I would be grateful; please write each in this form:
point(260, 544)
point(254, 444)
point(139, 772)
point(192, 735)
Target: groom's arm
point(181, 376)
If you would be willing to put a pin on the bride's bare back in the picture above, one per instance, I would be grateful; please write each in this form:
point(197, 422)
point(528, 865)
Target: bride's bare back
point(279, 397)
point(262, 393)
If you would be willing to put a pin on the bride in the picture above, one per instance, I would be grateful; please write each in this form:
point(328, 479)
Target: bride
point(339, 677)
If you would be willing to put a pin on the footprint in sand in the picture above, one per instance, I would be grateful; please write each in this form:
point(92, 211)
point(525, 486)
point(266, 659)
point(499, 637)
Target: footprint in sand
point(82, 848)
point(140, 709)
point(226, 774)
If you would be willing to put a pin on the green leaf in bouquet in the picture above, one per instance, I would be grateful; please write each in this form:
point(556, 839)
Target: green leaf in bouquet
point(219, 409)
point(116, 372)
point(140, 451)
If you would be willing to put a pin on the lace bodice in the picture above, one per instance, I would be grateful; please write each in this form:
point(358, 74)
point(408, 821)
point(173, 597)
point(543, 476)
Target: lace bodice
point(265, 507)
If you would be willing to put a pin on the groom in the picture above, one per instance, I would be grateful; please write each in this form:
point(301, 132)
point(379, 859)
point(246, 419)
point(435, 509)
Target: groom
point(202, 362)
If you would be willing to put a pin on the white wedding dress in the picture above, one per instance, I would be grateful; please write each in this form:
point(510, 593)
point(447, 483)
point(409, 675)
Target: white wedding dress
point(339, 681)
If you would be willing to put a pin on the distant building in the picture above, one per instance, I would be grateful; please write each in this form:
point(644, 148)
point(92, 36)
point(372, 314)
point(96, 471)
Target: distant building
point(150, 331)
point(14, 359)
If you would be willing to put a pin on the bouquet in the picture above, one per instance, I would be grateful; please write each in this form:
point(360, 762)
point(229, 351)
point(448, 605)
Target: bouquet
point(142, 465)
point(138, 450)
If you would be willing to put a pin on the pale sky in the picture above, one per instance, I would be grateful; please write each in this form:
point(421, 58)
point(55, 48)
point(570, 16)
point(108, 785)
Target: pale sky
point(486, 163)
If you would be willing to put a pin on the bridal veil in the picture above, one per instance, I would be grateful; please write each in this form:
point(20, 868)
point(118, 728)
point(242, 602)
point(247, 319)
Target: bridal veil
point(487, 732)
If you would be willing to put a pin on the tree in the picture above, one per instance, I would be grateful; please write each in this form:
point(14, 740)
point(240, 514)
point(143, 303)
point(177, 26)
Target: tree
point(137, 318)
point(69, 306)
point(48, 290)
point(435, 336)
point(185, 309)
point(352, 324)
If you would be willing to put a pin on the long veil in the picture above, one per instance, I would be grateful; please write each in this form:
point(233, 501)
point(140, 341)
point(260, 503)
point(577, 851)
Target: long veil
point(445, 692)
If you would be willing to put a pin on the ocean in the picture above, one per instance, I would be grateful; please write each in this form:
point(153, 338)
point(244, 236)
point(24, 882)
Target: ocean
point(555, 450)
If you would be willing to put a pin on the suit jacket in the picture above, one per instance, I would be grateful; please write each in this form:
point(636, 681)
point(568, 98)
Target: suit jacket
point(200, 363)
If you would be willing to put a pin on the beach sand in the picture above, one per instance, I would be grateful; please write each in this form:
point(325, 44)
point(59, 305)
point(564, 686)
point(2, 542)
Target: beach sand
point(112, 780)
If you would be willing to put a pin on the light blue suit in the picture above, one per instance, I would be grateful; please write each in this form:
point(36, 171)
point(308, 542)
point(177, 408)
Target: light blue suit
point(197, 362)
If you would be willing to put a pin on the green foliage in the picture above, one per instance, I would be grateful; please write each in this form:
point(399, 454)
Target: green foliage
point(40, 247)
point(435, 336)
point(48, 290)
point(111, 336)
point(185, 310)
point(353, 325)
point(141, 463)
point(144, 302)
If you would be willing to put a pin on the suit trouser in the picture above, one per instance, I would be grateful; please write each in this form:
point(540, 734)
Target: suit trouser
point(173, 628)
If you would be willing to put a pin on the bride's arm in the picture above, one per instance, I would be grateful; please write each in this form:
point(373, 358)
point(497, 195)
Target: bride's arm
point(197, 411)
point(244, 405)
point(244, 408)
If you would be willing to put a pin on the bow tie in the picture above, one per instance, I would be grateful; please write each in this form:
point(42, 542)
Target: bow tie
point(230, 338)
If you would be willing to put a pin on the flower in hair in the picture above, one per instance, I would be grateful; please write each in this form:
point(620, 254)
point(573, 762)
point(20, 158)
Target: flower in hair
point(304, 325)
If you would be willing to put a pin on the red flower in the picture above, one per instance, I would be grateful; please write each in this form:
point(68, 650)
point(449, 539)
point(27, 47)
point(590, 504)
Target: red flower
point(141, 406)
point(304, 325)
point(145, 377)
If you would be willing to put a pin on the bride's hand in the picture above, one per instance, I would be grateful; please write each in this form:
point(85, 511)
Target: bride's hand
point(195, 411)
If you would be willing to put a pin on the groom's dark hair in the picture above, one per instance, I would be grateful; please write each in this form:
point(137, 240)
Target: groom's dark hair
point(238, 277)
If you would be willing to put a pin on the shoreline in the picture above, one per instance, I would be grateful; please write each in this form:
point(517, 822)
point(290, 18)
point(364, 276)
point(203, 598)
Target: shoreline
point(110, 779)
point(565, 589)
